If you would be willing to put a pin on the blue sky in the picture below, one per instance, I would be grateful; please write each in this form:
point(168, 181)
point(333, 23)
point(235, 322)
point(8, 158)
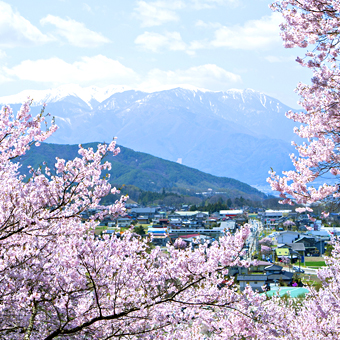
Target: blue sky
point(213, 44)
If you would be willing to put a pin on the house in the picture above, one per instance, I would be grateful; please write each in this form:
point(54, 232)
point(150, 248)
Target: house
point(186, 215)
point(322, 234)
point(312, 245)
point(160, 214)
point(256, 282)
point(275, 274)
point(123, 222)
point(199, 229)
point(211, 221)
point(287, 237)
point(281, 251)
point(259, 267)
point(163, 221)
point(272, 216)
point(224, 214)
point(143, 219)
point(175, 222)
point(196, 240)
point(159, 235)
point(147, 212)
point(297, 251)
point(228, 226)
point(160, 240)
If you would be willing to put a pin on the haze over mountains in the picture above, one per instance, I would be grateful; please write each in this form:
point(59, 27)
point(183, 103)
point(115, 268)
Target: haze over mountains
point(236, 133)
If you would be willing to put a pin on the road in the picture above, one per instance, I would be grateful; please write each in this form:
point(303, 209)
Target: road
point(252, 240)
point(310, 271)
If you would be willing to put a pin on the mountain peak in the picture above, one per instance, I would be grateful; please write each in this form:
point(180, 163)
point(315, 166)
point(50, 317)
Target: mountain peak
point(87, 94)
point(233, 133)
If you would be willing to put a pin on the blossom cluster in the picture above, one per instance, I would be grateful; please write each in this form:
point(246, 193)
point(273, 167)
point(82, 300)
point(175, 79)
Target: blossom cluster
point(314, 26)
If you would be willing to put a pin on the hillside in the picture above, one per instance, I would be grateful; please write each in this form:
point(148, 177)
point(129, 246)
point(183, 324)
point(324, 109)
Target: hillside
point(146, 172)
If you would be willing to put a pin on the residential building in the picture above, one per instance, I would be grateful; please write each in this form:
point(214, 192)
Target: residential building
point(287, 237)
point(225, 214)
point(276, 274)
point(256, 282)
point(147, 212)
point(273, 216)
point(313, 245)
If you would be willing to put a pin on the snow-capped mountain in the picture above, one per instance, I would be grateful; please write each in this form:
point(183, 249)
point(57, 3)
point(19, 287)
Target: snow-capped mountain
point(235, 133)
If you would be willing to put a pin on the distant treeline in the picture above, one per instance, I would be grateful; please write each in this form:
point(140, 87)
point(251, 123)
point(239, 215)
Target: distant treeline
point(197, 202)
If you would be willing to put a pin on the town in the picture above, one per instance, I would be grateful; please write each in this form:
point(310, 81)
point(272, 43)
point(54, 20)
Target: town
point(284, 247)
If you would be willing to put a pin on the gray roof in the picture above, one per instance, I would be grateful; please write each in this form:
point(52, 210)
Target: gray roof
point(289, 232)
point(252, 277)
point(297, 246)
point(305, 237)
point(285, 276)
point(273, 267)
point(262, 263)
point(143, 210)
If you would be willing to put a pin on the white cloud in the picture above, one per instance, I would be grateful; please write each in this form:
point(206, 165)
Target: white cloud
point(207, 4)
point(201, 23)
point(208, 76)
point(158, 12)
point(199, 45)
point(102, 71)
point(253, 34)
point(75, 32)
point(98, 70)
point(155, 42)
point(15, 30)
point(279, 59)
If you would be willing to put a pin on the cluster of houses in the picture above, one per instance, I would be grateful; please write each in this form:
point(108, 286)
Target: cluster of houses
point(293, 246)
point(185, 224)
point(309, 243)
point(194, 226)
point(306, 239)
point(191, 226)
point(263, 274)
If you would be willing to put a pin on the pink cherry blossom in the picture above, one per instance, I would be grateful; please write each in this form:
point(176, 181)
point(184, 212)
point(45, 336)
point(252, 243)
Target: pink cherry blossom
point(313, 24)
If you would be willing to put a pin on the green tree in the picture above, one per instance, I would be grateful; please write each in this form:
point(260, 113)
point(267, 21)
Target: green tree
point(139, 230)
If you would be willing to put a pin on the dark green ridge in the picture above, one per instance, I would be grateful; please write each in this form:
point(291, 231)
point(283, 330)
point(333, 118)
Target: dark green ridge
point(144, 171)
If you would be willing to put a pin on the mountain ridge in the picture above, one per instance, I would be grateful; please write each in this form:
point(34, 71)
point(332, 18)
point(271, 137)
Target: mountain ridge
point(237, 133)
point(143, 170)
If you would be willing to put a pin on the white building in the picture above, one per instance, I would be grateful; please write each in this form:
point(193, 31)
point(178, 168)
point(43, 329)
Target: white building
point(230, 213)
point(205, 231)
point(271, 216)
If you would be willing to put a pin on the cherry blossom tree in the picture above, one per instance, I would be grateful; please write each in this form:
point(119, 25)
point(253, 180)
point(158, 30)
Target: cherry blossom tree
point(314, 26)
point(57, 281)
point(288, 223)
point(266, 241)
point(265, 250)
point(285, 259)
point(180, 244)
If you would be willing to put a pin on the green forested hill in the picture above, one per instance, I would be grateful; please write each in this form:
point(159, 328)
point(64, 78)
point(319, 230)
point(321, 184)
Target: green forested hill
point(145, 171)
